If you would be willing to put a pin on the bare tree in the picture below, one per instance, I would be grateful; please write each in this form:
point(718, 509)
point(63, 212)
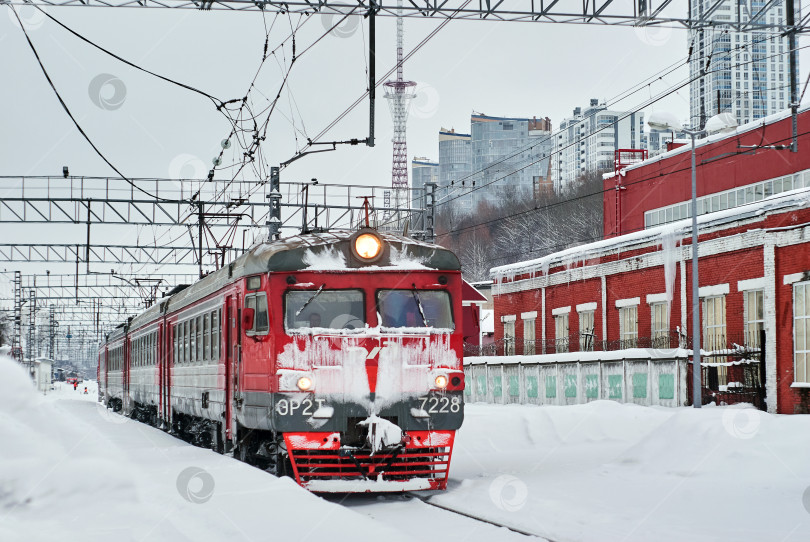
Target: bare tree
point(518, 226)
point(5, 328)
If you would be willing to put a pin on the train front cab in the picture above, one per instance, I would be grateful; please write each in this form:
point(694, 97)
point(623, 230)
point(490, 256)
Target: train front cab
point(366, 375)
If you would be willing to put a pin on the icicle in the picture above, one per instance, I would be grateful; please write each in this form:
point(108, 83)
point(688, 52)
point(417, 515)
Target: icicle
point(669, 244)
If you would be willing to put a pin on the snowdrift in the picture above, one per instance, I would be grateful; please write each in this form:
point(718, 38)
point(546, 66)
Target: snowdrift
point(71, 470)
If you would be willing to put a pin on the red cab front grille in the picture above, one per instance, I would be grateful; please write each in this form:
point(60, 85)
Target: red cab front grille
point(319, 456)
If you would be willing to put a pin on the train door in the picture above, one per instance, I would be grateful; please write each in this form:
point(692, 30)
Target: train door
point(233, 357)
point(165, 374)
point(125, 376)
point(162, 353)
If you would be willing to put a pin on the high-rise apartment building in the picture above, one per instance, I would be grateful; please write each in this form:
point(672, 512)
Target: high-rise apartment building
point(501, 156)
point(455, 165)
point(509, 155)
point(423, 171)
point(748, 72)
point(587, 141)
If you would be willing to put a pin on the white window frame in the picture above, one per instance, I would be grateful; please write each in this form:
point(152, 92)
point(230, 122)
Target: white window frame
point(715, 326)
point(529, 336)
point(802, 317)
point(722, 371)
point(657, 331)
point(561, 342)
point(509, 337)
point(752, 327)
point(628, 336)
point(590, 314)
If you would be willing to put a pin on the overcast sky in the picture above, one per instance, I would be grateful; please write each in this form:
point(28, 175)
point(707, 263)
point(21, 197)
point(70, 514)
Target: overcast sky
point(147, 127)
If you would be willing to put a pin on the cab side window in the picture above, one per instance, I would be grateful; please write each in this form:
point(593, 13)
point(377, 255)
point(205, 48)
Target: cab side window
point(261, 322)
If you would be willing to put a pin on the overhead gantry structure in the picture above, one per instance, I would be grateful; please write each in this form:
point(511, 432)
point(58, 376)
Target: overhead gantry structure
point(609, 12)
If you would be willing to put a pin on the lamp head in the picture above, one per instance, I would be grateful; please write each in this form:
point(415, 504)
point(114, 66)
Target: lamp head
point(662, 121)
point(722, 123)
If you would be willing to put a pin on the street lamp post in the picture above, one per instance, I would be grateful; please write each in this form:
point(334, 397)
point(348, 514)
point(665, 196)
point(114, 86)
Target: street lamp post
point(666, 122)
point(697, 393)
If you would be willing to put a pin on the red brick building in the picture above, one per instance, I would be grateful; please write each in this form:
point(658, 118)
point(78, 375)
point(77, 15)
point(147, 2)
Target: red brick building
point(659, 190)
point(634, 290)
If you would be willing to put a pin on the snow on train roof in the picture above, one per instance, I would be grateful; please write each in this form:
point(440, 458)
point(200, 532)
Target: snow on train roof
point(798, 198)
point(312, 252)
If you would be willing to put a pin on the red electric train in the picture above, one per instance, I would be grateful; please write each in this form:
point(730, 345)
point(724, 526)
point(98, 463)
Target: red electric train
point(335, 358)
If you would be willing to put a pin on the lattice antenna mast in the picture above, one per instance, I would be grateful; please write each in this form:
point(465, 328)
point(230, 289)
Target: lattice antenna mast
point(399, 94)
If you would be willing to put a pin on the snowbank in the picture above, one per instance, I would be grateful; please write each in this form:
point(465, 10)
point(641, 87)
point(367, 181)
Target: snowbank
point(607, 471)
point(70, 470)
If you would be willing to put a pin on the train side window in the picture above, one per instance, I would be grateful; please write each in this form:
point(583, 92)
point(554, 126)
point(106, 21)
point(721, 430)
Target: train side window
point(215, 334)
point(181, 345)
point(184, 342)
point(207, 336)
point(261, 322)
point(174, 341)
point(199, 339)
point(193, 334)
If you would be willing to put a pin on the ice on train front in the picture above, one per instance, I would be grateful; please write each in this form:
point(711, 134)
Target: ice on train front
point(369, 367)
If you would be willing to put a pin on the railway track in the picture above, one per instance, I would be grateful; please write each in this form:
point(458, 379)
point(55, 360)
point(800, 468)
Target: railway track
point(416, 514)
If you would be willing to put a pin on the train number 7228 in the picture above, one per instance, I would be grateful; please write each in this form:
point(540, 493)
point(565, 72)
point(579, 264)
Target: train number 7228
point(440, 405)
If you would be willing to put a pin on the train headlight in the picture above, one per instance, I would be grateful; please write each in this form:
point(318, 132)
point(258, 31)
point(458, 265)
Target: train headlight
point(368, 246)
point(441, 381)
point(304, 383)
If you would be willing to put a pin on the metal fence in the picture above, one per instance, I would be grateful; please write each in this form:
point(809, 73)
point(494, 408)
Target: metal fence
point(657, 371)
point(650, 381)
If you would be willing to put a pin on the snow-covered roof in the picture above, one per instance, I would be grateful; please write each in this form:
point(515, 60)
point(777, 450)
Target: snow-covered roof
point(798, 198)
point(310, 252)
point(747, 127)
point(470, 295)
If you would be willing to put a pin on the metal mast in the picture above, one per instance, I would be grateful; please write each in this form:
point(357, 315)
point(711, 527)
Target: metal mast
point(16, 339)
point(399, 94)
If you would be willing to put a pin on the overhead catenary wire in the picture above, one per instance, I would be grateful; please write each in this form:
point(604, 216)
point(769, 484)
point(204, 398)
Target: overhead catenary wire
point(672, 88)
point(70, 114)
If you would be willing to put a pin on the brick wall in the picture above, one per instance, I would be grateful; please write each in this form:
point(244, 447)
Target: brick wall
point(729, 254)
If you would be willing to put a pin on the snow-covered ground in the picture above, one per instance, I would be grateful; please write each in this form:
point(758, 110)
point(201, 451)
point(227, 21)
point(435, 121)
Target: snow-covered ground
point(607, 471)
point(71, 470)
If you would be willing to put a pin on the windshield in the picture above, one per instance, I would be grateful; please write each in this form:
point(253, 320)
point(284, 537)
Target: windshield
point(415, 308)
point(332, 309)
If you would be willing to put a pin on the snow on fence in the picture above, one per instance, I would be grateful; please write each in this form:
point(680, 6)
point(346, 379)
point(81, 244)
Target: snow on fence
point(639, 375)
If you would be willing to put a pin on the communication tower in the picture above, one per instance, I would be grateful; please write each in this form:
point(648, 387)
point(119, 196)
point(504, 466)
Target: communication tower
point(399, 94)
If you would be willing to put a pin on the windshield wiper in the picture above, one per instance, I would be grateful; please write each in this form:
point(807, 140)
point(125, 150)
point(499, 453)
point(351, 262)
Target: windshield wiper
point(316, 294)
point(419, 304)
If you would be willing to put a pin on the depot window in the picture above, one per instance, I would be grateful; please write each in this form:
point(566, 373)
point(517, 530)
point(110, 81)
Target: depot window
point(261, 322)
point(415, 309)
point(330, 309)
